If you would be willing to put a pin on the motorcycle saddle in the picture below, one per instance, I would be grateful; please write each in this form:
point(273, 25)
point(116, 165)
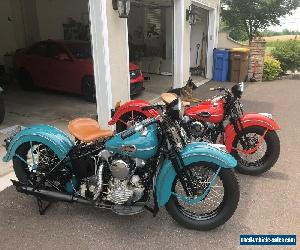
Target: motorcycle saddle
point(170, 97)
point(88, 130)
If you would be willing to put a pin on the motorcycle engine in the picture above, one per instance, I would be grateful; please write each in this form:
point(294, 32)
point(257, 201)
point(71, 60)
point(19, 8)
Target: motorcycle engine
point(197, 129)
point(115, 178)
point(124, 185)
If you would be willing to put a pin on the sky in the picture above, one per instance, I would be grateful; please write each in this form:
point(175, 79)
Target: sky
point(288, 22)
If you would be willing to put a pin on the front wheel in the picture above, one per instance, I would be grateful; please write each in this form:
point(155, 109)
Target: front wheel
point(267, 149)
point(218, 205)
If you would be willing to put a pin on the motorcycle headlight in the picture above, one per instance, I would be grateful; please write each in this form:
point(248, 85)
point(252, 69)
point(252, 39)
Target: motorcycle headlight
point(237, 90)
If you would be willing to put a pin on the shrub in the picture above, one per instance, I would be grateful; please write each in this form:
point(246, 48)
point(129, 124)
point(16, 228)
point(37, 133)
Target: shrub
point(288, 54)
point(272, 69)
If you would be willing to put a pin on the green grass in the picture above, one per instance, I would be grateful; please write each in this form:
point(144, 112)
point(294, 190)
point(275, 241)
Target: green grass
point(272, 44)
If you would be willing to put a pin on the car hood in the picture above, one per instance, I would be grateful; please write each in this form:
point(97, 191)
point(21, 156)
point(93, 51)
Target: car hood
point(133, 66)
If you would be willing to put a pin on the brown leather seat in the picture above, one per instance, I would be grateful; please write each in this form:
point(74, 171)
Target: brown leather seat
point(170, 97)
point(87, 130)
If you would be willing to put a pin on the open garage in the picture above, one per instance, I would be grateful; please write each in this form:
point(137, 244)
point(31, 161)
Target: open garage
point(150, 38)
point(40, 57)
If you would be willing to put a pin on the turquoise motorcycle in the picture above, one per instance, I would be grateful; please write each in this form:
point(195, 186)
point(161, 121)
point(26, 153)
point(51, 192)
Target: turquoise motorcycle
point(146, 167)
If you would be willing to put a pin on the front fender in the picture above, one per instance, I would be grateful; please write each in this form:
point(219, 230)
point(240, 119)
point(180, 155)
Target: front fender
point(192, 153)
point(134, 105)
point(248, 120)
point(54, 138)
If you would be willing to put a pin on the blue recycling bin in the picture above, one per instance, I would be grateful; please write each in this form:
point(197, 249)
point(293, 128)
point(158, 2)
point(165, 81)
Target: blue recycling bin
point(221, 62)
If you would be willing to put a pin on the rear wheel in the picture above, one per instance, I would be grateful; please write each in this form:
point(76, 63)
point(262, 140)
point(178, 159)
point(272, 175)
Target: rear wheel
point(32, 161)
point(263, 158)
point(2, 108)
point(88, 89)
point(218, 205)
point(25, 80)
point(128, 120)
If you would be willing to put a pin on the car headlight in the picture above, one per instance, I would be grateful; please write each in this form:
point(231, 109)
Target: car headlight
point(134, 74)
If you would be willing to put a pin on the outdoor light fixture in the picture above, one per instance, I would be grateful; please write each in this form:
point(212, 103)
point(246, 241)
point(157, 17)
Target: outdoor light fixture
point(191, 15)
point(122, 6)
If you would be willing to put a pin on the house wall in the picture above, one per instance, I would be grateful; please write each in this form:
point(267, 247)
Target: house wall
point(213, 7)
point(118, 55)
point(53, 13)
point(197, 31)
point(186, 45)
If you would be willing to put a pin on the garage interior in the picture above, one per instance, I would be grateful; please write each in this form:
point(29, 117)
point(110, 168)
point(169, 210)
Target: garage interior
point(199, 43)
point(150, 38)
point(23, 23)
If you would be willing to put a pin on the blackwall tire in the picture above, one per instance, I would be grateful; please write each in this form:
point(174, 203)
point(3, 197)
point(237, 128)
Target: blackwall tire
point(230, 203)
point(271, 155)
point(25, 80)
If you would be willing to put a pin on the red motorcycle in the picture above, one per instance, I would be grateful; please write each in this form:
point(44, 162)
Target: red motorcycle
point(251, 138)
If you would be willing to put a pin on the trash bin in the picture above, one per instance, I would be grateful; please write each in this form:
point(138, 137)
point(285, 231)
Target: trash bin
point(221, 57)
point(239, 58)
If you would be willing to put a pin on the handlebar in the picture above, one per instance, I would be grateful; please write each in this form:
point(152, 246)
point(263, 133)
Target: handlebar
point(218, 89)
point(138, 128)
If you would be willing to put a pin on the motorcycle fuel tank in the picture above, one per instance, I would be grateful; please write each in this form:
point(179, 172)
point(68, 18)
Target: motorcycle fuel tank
point(208, 111)
point(142, 145)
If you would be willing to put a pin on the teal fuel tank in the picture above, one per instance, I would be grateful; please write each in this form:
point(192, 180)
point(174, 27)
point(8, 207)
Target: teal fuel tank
point(142, 145)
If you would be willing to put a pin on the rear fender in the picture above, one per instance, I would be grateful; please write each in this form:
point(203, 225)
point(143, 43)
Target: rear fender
point(134, 105)
point(192, 153)
point(54, 138)
point(248, 120)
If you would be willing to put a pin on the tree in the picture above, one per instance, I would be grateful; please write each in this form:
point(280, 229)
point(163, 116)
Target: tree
point(255, 15)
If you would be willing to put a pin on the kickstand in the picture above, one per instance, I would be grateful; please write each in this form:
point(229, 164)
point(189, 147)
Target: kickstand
point(42, 207)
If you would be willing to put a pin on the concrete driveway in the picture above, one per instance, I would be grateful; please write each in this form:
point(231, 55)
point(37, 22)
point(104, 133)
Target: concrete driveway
point(269, 204)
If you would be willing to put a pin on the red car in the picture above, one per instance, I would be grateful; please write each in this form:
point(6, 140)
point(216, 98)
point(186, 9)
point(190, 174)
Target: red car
point(65, 66)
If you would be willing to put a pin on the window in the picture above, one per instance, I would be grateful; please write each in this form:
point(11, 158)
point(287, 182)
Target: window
point(54, 50)
point(80, 50)
point(39, 49)
point(152, 23)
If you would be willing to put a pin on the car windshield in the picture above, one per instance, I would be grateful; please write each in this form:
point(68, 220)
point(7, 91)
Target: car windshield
point(80, 50)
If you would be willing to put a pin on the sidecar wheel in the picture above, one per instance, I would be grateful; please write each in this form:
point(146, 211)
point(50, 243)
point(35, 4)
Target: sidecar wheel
point(197, 217)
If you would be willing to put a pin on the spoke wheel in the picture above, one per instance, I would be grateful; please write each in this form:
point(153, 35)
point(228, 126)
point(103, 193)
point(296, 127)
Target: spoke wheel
point(261, 159)
point(128, 120)
point(32, 161)
point(218, 204)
